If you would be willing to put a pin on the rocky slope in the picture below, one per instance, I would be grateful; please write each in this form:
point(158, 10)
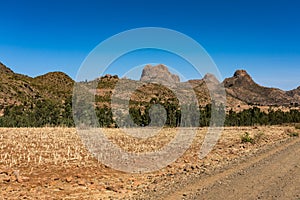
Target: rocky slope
point(241, 90)
point(242, 87)
point(295, 94)
point(17, 89)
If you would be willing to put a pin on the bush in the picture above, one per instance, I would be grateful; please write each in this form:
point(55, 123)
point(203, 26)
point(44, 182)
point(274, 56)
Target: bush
point(297, 126)
point(294, 134)
point(247, 138)
point(291, 133)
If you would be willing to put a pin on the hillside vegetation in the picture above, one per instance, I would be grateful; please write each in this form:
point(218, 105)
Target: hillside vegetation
point(47, 100)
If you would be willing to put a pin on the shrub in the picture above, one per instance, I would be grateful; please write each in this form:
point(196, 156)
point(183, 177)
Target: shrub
point(294, 134)
point(291, 133)
point(247, 138)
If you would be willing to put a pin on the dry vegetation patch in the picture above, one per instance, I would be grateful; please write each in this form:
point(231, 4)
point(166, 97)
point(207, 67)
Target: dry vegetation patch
point(50, 163)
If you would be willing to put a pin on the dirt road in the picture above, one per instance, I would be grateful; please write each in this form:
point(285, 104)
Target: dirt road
point(274, 174)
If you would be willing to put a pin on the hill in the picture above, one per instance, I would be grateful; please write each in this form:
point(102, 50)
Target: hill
point(21, 90)
point(27, 101)
point(242, 87)
point(47, 99)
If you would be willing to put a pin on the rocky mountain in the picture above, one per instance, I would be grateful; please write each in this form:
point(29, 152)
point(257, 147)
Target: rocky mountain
point(159, 74)
point(242, 87)
point(295, 94)
point(241, 90)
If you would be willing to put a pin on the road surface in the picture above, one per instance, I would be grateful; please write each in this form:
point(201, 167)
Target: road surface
point(274, 174)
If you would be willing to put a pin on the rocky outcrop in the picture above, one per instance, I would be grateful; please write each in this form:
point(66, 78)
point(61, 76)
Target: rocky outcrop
point(159, 74)
point(295, 94)
point(242, 87)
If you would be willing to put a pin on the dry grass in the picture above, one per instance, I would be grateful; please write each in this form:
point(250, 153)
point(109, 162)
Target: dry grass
point(39, 146)
point(49, 155)
point(35, 146)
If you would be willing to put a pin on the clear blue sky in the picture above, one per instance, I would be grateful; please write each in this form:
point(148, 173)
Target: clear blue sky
point(262, 37)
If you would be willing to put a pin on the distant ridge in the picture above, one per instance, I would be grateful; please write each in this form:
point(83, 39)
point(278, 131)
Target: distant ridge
point(57, 87)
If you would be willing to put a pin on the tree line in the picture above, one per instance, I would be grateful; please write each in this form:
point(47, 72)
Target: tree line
point(47, 113)
point(38, 114)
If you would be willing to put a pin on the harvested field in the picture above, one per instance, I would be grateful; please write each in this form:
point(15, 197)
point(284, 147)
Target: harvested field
point(53, 163)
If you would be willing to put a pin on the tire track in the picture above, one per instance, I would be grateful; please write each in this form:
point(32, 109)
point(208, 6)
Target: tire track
point(270, 175)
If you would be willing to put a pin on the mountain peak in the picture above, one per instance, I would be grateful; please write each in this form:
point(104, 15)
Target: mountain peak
point(160, 74)
point(55, 74)
point(210, 78)
point(240, 79)
point(54, 79)
point(241, 73)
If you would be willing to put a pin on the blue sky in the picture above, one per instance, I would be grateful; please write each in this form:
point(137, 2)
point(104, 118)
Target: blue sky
point(262, 37)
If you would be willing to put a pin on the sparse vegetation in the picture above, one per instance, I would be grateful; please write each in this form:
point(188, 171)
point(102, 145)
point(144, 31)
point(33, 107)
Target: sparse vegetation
point(294, 134)
point(55, 159)
point(246, 138)
point(291, 132)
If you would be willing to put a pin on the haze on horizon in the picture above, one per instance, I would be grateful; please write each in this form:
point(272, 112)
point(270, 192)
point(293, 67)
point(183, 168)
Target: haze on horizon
point(37, 37)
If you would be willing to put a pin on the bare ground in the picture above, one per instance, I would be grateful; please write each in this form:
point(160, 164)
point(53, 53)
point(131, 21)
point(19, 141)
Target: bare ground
point(273, 174)
point(52, 163)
